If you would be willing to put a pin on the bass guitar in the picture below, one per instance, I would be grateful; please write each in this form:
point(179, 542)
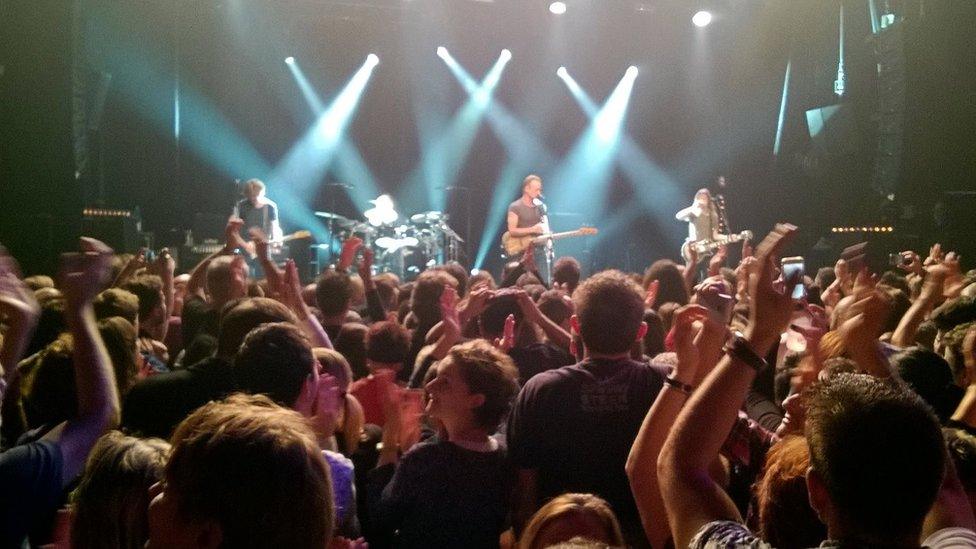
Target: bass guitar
point(515, 245)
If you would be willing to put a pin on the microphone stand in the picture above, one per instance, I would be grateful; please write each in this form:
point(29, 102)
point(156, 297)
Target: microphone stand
point(550, 249)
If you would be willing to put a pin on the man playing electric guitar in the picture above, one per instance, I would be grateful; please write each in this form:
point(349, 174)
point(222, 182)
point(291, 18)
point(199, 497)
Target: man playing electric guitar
point(527, 215)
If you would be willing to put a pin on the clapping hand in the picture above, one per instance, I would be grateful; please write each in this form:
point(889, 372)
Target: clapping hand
point(507, 341)
point(17, 301)
point(83, 275)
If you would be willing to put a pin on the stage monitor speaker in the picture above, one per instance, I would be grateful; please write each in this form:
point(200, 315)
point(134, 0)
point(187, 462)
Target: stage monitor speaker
point(121, 232)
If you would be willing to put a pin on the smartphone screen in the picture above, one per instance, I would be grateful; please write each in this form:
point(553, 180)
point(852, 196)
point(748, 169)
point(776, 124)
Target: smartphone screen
point(794, 269)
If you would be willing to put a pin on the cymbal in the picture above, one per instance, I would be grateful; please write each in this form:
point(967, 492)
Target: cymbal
point(330, 215)
point(428, 217)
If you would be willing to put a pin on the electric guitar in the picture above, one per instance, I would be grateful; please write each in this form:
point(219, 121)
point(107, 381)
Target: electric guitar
point(514, 245)
point(707, 247)
point(274, 246)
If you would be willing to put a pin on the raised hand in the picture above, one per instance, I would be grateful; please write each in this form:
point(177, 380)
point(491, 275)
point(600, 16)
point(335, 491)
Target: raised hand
point(911, 262)
point(348, 253)
point(770, 307)
point(137, 262)
point(320, 402)
point(449, 313)
point(164, 264)
point(687, 326)
point(717, 261)
point(746, 248)
point(507, 341)
point(83, 275)
point(365, 267)
point(651, 298)
point(935, 255)
point(17, 301)
point(232, 235)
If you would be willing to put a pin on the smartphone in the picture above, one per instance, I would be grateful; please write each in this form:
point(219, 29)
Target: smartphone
point(794, 269)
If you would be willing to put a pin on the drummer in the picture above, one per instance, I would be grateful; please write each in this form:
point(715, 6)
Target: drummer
point(382, 212)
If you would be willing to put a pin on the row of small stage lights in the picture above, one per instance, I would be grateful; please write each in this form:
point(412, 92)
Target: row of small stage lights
point(876, 229)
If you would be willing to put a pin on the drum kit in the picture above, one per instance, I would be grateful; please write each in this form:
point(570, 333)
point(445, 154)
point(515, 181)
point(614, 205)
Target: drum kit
point(405, 249)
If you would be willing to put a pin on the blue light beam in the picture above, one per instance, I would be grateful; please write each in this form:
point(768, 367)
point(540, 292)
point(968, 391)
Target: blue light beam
point(444, 158)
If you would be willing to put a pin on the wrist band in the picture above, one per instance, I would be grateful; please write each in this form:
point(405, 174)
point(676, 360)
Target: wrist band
point(675, 384)
point(739, 349)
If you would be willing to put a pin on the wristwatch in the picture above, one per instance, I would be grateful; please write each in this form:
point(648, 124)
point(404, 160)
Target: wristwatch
point(739, 349)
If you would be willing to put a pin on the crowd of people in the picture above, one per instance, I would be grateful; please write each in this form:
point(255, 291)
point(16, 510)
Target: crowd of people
point(680, 407)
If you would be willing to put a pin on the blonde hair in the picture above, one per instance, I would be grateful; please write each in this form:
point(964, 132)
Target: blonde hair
point(567, 505)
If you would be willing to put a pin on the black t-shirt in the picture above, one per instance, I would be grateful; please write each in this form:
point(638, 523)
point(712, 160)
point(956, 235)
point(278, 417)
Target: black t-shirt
point(537, 358)
point(30, 490)
point(199, 317)
point(261, 217)
point(575, 426)
point(443, 495)
point(527, 215)
point(157, 404)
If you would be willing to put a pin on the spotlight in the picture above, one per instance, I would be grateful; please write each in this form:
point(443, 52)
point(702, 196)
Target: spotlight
point(372, 59)
point(632, 71)
point(701, 18)
point(290, 60)
point(561, 72)
point(557, 8)
point(506, 55)
point(442, 52)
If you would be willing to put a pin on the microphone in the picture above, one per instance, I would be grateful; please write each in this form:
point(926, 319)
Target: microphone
point(540, 205)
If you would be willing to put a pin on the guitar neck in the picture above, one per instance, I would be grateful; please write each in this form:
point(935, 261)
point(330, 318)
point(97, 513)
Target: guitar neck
point(556, 236)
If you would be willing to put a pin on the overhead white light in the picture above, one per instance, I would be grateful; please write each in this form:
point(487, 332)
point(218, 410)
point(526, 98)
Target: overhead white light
point(701, 18)
point(442, 52)
point(557, 8)
point(506, 55)
point(561, 72)
point(290, 60)
point(373, 59)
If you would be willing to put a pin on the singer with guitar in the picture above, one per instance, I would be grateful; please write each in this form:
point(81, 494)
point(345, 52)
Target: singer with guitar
point(527, 215)
point(702, 218)
point(258, 211)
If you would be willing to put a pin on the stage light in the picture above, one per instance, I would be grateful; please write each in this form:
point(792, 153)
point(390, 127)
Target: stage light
point(557, 8)
point(372, 60)
point(701, 18)
point(561, 72)
point(442, 52)
point(505, 56)
point(632, 71)
point(290, 60)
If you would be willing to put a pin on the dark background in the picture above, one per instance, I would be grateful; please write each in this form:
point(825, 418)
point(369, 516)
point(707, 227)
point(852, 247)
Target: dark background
point(706, 102)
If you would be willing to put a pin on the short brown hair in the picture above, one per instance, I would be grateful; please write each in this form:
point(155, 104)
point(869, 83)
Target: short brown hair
point(239, 317)
point(256, 469)
point(387, 342)
point(117, 302)
point(610, 308)
point(489, 372)
point(530, 178)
